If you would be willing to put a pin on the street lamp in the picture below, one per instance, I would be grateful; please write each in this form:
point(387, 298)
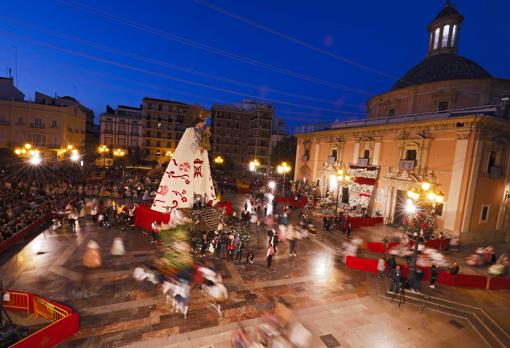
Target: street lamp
point(252, 166)
point(75, 156)
point(34, 157)
point(218, 160)
point(283, 168)
point(119, 153)
point(103, 150)
point(272, 185)
point(420, 199)
point(342, 178)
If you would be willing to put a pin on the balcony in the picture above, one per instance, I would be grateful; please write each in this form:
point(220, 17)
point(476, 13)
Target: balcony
point(407, 165)
point(4, 123)
point(108, 131)
point(363, 162)
point(331, 160)
point(36, 125)
point(53, 146)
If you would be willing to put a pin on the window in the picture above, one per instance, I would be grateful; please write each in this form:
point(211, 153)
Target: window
point(148, 124)
point(492, 160)
point(20, 120)
point(438, 209)
point(54, 124)
point(38, 139)
point(159, 134)
point(484, 213)
point(149, 106)
point(442, 106)
point(307, 153)
point(122, 142)
point(147, 143)
point(134, 143)
point(391, 112)
point(454, 32)
point(446, 35)
point(108, 141)
point(366, 154)
point(436, 38)
point(411, 155)
point(38, 121)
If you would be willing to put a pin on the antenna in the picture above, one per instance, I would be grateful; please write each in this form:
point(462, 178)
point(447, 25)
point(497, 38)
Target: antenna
point(16, 64)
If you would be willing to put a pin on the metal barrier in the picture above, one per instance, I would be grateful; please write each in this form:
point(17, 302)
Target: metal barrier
point(48, 310)
point(18, 301)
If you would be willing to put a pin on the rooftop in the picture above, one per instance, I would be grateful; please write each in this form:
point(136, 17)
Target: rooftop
point(164, 101)
point(488, 110)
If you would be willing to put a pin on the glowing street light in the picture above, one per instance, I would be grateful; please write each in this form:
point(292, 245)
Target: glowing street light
point(283, 168)
point(343, 178)
point(252, 166)
point(272, 185)
point(75, 156)
point(218, 160)
point(35, 158)
point(425, 196)
point(119, 152)
point(103, 150)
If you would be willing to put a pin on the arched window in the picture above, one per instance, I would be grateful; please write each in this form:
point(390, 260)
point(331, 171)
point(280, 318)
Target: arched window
point(446, 35)
point(436, 38)
point(454, 32)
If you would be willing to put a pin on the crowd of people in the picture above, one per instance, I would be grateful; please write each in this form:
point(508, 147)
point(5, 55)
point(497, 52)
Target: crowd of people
point(24, 200)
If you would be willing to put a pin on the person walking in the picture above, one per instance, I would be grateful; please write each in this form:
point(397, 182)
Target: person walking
point(349, 230)
point(250, 256)
point(434, 274)
point(239, 251)
point(269, 255)
point(275, 242)
point(291, 237)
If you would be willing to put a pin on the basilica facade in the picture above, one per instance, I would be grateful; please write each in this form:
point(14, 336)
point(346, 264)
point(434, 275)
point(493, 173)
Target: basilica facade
point(446, 122)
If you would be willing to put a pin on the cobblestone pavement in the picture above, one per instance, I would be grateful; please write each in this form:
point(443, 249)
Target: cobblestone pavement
point(115, 310)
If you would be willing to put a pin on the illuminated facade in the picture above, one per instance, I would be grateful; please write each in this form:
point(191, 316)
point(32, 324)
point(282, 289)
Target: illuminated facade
point(447, 122)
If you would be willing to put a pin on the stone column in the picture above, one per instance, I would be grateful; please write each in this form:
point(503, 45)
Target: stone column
point(454, 192)
point(315, 149)
point(299, 155)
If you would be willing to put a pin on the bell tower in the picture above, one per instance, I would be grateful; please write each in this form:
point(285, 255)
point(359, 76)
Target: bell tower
point(444, 31)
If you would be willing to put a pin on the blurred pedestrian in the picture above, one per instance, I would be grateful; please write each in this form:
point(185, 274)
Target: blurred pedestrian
point(269, 255)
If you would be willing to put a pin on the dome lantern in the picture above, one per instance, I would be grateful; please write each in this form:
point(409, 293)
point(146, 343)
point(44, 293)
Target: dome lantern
point(444, 31)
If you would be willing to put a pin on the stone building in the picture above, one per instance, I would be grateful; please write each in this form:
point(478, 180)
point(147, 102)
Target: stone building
point(121, 127)
point(446, 122)
point(164, 122)
point(47, 126)
point(242, 132)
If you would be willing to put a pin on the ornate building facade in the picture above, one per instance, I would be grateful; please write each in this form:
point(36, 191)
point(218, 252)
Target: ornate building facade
point(446, 122)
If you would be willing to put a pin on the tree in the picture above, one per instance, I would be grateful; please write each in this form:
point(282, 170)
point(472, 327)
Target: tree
point(284, 151)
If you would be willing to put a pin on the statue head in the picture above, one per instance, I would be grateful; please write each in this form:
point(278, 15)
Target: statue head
point(198, 115)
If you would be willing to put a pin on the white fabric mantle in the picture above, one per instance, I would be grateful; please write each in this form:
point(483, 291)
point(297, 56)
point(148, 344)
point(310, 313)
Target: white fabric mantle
point(187, 174)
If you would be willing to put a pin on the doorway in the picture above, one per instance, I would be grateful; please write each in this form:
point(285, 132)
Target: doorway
point(400, 203)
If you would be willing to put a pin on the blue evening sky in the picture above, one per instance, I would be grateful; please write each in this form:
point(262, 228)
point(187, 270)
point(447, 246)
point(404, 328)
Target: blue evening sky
point(117, 52)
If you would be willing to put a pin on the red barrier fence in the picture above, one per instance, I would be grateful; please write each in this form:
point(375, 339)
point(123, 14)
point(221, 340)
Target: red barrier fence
point(378, 247)
point(498, 283)
point(359, 263)
point(459, 280)
point(299, 203)
point(64, 324)
point(225, 204)
point(360, 221)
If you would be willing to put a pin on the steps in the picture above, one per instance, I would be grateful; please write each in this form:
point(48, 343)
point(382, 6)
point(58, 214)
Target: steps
point(211, 218)
point(490, 331)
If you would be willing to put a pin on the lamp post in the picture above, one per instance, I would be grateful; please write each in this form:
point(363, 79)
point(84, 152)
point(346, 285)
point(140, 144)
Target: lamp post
point(283, 168)
point(218, 160)
point(342, 179)
point(103, 150)
point(252, 166)
point(420, 199)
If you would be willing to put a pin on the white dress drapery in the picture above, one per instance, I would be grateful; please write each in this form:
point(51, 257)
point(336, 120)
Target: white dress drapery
point(187, 174)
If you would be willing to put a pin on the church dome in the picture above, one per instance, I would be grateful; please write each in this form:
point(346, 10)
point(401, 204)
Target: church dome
point(442, 67)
